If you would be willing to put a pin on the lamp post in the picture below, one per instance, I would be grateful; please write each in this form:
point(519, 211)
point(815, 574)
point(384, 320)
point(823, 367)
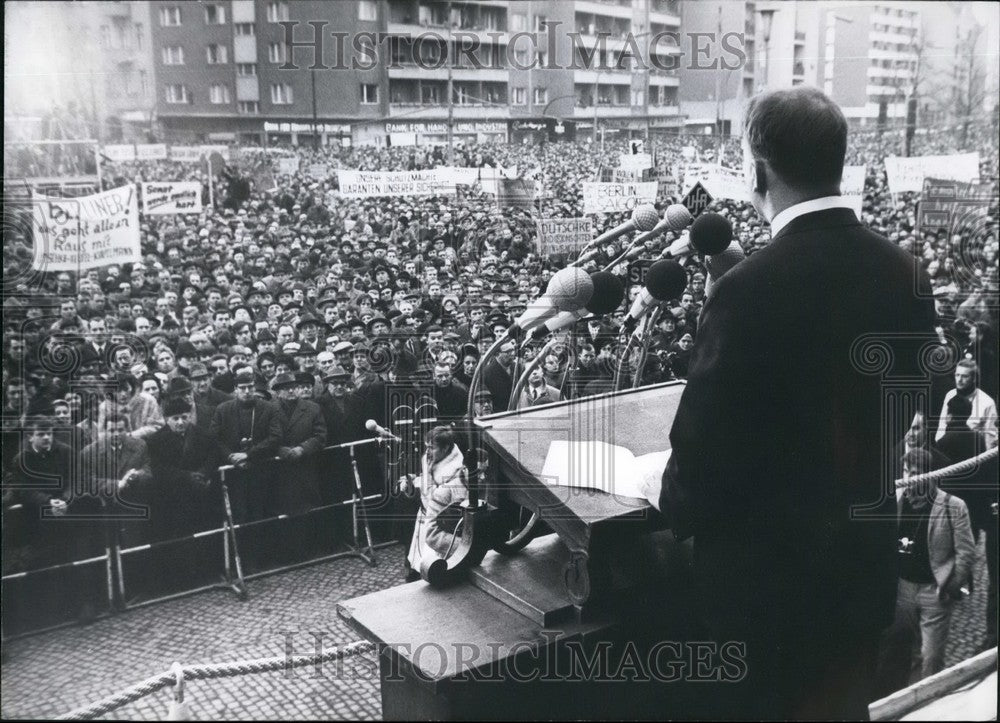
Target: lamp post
point(767, 18)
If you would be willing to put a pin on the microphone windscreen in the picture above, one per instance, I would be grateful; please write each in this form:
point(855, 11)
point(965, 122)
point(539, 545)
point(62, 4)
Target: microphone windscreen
point(666, 279)
point(678, 216)
point(645, 217)
point(609, 290)
point(371, 425)
point(570, 289)
point(718, 264)
point(711, 233)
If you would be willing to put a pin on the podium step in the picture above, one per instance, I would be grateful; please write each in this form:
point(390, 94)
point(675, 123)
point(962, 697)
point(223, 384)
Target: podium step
point(530, 582)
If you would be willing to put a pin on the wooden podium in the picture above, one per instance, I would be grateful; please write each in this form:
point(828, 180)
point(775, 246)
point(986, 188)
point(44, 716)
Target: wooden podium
point(519, 638)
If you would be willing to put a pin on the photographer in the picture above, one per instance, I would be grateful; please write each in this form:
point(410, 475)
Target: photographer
point(442, 486)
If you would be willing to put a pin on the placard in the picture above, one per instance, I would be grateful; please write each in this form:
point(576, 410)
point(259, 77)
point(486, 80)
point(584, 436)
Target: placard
point(564, 235)
point(616, 197)
point(163, 199)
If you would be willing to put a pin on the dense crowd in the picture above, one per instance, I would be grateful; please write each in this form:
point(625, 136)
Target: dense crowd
point(276, 323)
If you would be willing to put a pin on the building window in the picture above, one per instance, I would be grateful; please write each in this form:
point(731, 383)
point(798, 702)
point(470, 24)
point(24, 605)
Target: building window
point(249, 69)
point(541, 96)
point(218, 94)
point(369, 93)
point(138, 36)
point(277, 10)
point(518, 22)
point(248, 107)
point(217, 54)
point(170, 16)
point(276, 52)
point(215, 15)
point(542, 59)
point(244, 29)
point(430, 95)
point(518, 96)
point(143, 82)
point(281, 94)
point(173, 55)
point(367, 10)
point(540, 21)
point(177, 94)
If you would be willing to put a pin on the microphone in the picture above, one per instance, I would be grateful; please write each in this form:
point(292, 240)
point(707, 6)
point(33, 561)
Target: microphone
point(664, 280)
point(675, 218)
point(609, 290)
point(719, 264)
point(644, 218)
point(568, 290)
point(710, 234)
point(372, 426)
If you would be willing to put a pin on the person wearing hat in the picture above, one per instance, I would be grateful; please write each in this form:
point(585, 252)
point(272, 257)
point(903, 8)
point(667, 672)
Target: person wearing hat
point(182, 460)
point(297, 489)
point(344, 351)
point(247, 431)
point(204, 393)
point(309, 332)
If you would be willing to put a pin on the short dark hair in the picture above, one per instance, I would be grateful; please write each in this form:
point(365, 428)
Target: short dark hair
point(800, 132)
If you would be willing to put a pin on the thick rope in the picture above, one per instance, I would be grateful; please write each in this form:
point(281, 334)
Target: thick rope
point(955, 469)
point(215, 670)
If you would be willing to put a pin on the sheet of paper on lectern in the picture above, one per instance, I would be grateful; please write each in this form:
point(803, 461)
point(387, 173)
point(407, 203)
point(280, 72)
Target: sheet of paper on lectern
point(605, 467)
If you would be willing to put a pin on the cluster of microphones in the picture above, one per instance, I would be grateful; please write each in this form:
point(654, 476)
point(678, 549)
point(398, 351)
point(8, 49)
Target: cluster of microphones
point(574, 294)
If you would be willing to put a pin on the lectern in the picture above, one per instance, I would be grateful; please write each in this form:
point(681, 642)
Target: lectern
point(599, 577)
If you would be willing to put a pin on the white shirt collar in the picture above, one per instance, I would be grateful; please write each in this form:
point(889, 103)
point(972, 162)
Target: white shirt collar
point(800, 209)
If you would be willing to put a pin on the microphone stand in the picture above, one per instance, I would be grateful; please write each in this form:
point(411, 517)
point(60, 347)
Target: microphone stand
point(651, 320)
point(623, 359)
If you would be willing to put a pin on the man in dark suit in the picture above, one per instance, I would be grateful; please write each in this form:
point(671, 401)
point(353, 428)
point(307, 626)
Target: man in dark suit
point(296, 488)
point(247, 431)
point(779, 453)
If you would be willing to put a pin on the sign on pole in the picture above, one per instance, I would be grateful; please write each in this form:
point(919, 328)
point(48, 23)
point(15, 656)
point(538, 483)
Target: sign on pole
point(171, 198)
point(563, 235)
point(697, 199)
point(616, 197)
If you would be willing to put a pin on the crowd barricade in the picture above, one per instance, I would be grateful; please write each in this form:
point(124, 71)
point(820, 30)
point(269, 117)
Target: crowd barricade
point(231, 573)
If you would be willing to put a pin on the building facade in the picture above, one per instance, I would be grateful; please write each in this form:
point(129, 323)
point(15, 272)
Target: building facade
point(380, 71)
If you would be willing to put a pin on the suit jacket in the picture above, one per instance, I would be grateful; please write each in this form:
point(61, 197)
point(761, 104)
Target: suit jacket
point(950, 546)
point(549, 394)
point(266, 433)
point(777, 446)
point(498, 381)
point(297, 485)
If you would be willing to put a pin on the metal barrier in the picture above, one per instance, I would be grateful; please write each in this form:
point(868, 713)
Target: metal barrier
point(233, 577)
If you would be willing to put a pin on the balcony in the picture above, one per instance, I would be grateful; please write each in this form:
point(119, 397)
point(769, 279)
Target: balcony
point(419, 111)
point(609, 9)
point(623, 110)
point(664, 80)
point(415, 72)
point(798, 70)
point(800, 37)
point(603, 77)
point(483, 35)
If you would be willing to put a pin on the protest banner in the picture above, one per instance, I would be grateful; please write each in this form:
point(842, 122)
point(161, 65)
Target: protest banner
point(82, 233)
point(516, 192)
point(616, 197)
point(364, 184)
point(563, 235)
point(635, 161)
point(453, 176)
point(318, 170)
point(908, 174)
point(119, 153)
point(719, 181)
point(288, 166)
point(488, 177)
point(151, 151)
point(852, 186)
point(171, 198)
point(185, 154)
point(953, 206)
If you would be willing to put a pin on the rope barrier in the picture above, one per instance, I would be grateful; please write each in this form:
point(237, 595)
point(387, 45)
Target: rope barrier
point(957, 468)
point(177, 675)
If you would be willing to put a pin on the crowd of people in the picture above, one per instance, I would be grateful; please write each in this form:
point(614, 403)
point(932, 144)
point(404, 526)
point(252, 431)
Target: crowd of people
point(280, 320)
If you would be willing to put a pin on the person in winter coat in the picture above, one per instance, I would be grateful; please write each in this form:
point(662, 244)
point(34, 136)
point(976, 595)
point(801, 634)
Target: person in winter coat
point(442, 486)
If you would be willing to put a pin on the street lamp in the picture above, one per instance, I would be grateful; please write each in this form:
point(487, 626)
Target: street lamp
point(767, 18)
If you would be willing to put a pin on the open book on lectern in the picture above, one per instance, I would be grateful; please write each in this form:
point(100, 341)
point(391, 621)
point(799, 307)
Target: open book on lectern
point(605, 467)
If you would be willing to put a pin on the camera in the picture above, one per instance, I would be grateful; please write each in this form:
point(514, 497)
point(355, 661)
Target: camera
point(906, 546)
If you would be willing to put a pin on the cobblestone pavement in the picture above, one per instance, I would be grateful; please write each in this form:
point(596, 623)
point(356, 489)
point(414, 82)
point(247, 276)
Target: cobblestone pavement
point(50, 674)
